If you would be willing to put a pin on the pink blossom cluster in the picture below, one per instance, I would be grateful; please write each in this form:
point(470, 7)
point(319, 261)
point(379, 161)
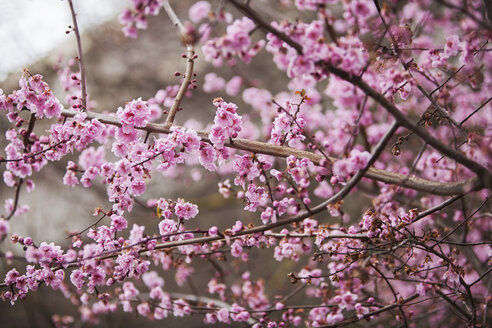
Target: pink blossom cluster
point(183, 210)
point(135, 114)
point(357, 160)
point(35, 95)
point(287, 127)
point(227, 123)
point(291, 248)
point(246, 169)
point(349, 54)
point(135, 17)
point(126, 178)
point(44, 257)
point(235, 43)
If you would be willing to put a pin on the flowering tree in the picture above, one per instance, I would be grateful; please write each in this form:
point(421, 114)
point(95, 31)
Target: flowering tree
point(385, 113)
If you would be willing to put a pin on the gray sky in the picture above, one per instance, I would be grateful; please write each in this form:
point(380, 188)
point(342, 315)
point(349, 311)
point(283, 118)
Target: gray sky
point(30, 29)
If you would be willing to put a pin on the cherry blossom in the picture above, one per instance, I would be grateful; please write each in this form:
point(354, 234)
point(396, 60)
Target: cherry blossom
point(353, 154)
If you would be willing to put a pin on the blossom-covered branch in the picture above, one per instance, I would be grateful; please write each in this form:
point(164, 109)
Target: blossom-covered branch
point(439, 188)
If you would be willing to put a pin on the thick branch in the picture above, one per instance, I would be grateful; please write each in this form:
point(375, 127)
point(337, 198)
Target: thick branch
point(434, 187)
point(482, 172)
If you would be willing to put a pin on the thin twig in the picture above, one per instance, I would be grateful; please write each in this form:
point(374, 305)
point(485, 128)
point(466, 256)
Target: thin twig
point(174, 18)
point(463, 10)
point(27, 143)
point(438, 107)
point(452, 303)
point(16, 200)
point(92, 225)
point(447, 80)
point(392, 291)
point(462, 222)
point(476, 110)
point(190, 58)
point(481, 277)
point(80, 57)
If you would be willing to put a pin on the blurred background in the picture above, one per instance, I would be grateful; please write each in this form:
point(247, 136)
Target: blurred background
point(33, 35)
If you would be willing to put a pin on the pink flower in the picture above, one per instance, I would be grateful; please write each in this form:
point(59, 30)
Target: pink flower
point(143, 309)
point(77, 278)
point(136, 17)
point(451, 275)
point(324, 190)
point(299, 170)
point(311, 275)
point(233, 86)
point(92, 157)
point(136, 113)
point(142, 267)
point(165, 207)
point(333, 318)
point(151, 279)
point(127, 134)
point(160, 313)
point(213, 231)
point(239, 314)
point(227, 124)
point(137, 187)
point(129, 290)
point(167, 227)
point(362, 8)
point(11, 277)
point(402, 35)
point(238, 226)
point(118, 222)
point(199, 11)
point(345, 167)
point(185, 210)
point(246, 169)
point(8, 178)
point(213, 83)
point(52, 108)
point(181, 308)
point(236, 42)
point(452, 45)
point(268, 215)
point(223, 315)
point(207, 156)
point(256, 196)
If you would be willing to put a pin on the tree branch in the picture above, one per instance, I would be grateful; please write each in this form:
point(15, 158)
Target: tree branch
point(434, 187)
point(80, 57)
point(190, 57)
